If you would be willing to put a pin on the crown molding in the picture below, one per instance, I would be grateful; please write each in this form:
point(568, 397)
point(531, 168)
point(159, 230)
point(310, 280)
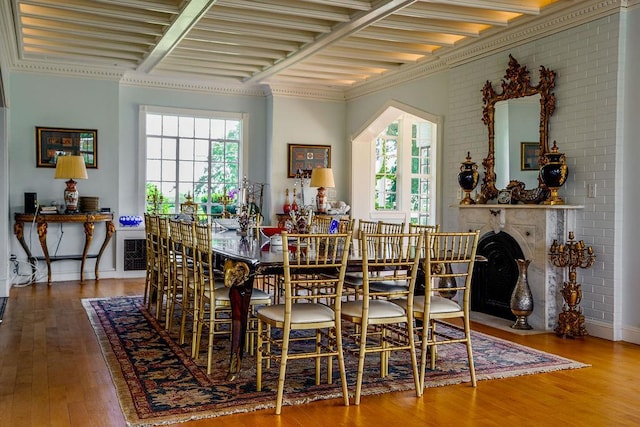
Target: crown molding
point(529, 28)
point(67, 70)
point(318, 93)
point(192, 85)
point(563, 16)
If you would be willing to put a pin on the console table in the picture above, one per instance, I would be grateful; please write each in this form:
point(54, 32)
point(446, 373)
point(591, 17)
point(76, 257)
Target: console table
point(42, 221)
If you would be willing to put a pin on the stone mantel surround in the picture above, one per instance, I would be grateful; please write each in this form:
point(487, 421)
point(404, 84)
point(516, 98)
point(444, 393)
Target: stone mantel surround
point(533, 227)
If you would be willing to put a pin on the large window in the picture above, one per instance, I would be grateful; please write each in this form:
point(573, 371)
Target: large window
point(191, 154)
point(403, 169)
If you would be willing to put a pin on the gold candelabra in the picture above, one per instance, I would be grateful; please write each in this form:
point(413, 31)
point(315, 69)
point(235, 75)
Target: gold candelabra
point(572, 255)
point(225, 199)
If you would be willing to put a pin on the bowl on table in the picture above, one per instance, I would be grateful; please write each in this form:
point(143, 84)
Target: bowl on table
point(228, 223)
point(273, 234)
point(130, 220)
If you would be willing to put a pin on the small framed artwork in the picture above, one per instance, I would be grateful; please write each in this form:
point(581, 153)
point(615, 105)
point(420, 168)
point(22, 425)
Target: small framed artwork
point(529, 154)
point(53, 142)
point(304, 158)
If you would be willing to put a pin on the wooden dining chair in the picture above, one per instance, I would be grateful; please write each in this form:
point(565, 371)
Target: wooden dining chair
point(212, 309)
point(375, 317)
point(386, 227)
point(189, 276)
point(449, 255)
point(423, 228)
point(310, 323)
point(176, 272)
point(164, 248)
point(152, 273)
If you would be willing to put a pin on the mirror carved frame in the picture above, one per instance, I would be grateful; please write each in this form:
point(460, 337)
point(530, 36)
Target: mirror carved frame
point(517, 84)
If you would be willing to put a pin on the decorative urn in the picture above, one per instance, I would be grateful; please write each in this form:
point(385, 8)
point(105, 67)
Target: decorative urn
point(468, 179)
point(554, 174)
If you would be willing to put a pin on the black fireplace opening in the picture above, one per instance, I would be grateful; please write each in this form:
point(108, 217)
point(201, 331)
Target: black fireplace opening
point(494, 280)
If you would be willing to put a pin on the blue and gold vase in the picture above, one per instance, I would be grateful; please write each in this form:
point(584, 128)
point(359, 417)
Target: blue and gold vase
point(554, 174)
point(468, 179)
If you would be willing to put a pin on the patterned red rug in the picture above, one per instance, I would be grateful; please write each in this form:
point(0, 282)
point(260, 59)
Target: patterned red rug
point(158, 383)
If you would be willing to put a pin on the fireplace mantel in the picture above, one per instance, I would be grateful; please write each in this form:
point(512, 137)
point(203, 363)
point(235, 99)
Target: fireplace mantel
point(534, 227)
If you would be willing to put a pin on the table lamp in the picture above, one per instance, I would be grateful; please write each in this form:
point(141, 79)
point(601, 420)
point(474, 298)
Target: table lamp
point(321, 178)
point(70, 167)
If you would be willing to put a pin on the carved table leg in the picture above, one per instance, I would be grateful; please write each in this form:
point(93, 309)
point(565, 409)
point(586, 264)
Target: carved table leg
point(110, 230)
point(88, 233)
point(42, 236)
point(240, 284)
point(18, 230)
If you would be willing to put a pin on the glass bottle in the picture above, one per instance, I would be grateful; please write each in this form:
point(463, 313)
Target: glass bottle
point(294, 204)
point(286, 208)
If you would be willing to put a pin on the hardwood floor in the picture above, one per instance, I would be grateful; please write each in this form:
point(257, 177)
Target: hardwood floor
point(52, 374)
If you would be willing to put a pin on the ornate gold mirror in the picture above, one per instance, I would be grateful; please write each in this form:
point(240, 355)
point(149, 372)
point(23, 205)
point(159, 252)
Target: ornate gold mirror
point(516, 85)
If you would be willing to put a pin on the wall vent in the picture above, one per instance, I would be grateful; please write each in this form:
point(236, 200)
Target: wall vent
point(135, 254)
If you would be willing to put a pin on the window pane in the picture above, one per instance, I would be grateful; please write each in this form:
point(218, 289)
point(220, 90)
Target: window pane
point(154, 124)
point(201, 151)
point(217, 129)
point(153, 170)
point(170, 125)
point(169, 148)
point(201, 128)
point(186, 127)
point(154, 148)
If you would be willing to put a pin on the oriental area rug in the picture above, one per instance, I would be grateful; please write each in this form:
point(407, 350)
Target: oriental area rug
point(157, 382)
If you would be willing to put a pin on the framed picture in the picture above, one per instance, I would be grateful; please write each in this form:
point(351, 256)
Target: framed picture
point(305, 158)
point(53, 142)
point(529, 154)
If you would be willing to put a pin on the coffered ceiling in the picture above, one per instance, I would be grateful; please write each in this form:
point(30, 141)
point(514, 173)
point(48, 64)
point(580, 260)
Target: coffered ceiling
point(337, 44)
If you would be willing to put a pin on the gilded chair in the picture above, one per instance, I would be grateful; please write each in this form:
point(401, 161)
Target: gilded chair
point(152, 259)
point(214, 310)
point(354, 279)
point(188, 272)
point(451, 255)
point(315, 318)
point(321, 224)
point(390, 227)
point(423, 228)
point(159, 280)
point(176, 271)
point(164, 248)
point(375, 317)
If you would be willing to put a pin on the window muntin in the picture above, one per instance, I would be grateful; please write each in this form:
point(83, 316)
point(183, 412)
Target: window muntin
point(403, 169)
point(186, 153)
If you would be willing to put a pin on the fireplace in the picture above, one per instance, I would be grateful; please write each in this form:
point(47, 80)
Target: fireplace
point(518, 231)
point(494, 279)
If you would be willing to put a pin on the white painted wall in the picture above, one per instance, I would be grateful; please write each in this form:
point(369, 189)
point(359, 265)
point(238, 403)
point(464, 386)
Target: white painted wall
point(304, 121)
point(5, 283)
point(131, 160)
point(40, 100)
point(628, 230)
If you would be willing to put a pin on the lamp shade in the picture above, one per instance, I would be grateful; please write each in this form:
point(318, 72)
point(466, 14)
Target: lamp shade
point(70, 167)
point(322, 177)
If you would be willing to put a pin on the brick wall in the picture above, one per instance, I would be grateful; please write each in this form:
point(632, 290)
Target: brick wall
point(586, 61)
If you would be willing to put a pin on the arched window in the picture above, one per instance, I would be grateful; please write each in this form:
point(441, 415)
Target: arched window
point(401, 167)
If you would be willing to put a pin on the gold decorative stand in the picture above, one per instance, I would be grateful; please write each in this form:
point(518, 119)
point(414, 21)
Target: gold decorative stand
point(572, 255)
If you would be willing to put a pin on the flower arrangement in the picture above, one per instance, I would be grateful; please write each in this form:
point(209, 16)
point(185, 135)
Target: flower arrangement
point(299, 221)
point(244, 219)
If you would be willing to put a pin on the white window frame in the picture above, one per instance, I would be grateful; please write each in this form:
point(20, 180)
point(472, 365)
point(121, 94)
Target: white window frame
point(142, 137)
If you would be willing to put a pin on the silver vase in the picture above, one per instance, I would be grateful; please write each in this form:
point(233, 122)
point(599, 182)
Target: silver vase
point(521, 299)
